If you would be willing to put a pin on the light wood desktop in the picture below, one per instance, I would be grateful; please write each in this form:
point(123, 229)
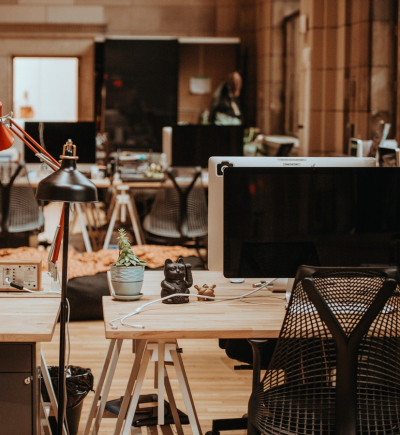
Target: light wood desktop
point(262, 316)
point(258, 317)
point(26, 320)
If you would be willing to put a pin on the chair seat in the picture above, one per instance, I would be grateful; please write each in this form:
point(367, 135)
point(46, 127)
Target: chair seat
point(30, 224)
point(19, 211)
point(311, 410)
point(171, 233)
point(179, 211)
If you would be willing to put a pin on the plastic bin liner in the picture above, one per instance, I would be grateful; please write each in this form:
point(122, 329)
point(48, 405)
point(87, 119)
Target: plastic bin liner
point(79, 381)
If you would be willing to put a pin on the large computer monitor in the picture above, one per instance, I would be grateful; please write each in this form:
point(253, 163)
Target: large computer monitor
point(215, 189)
point(56, 134)
point(193, 145)
point(320, 216)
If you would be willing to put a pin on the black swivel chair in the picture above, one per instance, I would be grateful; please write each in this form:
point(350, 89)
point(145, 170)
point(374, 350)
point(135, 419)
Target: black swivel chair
point(179, 211)
point(336, 365)
point(20, 213)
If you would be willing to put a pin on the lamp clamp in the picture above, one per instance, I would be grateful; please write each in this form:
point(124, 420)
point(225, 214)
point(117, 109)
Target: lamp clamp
point(5, 118)
point(69, 151)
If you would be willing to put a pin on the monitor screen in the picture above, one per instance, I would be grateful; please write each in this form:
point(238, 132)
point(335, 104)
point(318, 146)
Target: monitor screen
point(56, 134)
point(322, 216)
point(216, 167)
point(193, 145)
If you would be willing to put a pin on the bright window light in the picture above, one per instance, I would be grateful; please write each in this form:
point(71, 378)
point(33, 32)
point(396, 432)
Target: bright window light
point(45, 88)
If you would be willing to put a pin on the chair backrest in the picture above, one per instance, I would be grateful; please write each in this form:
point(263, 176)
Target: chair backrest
point(179, 210)
point(336, 366)
point(19, 211)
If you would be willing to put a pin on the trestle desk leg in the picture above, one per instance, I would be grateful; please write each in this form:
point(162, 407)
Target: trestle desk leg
point(44, 420)
point(160, 381)
point(111, 225)
point(137, 374)
point(184, 385)
point(107, 373)
point(134, 215)
point(85, 234)
point(171, 400)
point(50, 389)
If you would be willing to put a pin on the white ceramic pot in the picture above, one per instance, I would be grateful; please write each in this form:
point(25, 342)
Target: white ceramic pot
point(127, 280)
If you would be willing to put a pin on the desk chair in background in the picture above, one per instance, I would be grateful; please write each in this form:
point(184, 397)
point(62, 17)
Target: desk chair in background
point(20, 213)
point(179, 212)
point(336, 365)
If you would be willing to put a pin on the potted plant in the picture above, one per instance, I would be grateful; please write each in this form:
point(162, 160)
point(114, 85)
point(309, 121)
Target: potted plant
point(128, 271)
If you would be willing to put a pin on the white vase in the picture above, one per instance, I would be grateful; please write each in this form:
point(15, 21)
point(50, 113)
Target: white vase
point(127, 280)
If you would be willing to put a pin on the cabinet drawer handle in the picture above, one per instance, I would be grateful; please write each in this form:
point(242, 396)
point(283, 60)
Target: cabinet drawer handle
point(27, 381)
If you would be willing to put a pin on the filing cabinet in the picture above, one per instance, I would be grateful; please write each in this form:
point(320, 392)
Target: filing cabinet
point(19, 388)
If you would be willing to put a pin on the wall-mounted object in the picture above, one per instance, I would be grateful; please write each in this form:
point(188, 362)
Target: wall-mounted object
point(200, 85)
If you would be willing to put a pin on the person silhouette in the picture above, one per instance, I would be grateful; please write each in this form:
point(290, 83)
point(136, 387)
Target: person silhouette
point(225, 105)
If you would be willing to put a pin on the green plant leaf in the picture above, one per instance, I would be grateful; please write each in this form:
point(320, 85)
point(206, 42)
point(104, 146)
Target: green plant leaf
point(126, 257)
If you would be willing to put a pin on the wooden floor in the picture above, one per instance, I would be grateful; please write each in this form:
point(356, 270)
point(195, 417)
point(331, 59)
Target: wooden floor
point(218, 391)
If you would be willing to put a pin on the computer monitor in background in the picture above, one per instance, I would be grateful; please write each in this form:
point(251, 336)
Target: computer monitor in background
point(56, 134)
point(193, 145)
point(215, 189)
point(319, 216)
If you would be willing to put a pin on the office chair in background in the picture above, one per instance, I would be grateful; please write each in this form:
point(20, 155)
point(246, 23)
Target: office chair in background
point(20, 213)
point(336, 365)
point(179, 212)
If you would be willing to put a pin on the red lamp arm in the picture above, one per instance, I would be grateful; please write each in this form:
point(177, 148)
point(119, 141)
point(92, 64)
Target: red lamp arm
point(35, 144)
point(7, 142)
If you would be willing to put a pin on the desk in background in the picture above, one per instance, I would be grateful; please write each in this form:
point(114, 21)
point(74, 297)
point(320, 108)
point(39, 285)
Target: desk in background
point(26, 320)
point(165, 324)
point(121, 200)
point(90, 217)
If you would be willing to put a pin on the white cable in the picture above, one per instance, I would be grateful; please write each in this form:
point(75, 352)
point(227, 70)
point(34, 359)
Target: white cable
point(68, 336)
point(137, 311)
point(66, 365)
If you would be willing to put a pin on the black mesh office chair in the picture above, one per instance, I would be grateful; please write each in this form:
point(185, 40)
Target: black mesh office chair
point(20, 213)
point(179, 211)
point(336, 366)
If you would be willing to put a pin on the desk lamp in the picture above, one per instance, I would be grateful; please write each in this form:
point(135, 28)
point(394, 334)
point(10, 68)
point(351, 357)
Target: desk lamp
point(9, 128)
point(66, 185)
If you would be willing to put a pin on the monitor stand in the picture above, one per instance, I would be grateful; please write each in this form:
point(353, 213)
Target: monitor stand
point(280, 285)
point(283, 285)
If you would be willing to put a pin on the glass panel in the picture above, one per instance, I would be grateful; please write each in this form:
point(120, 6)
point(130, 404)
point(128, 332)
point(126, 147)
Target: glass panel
point(46, 89)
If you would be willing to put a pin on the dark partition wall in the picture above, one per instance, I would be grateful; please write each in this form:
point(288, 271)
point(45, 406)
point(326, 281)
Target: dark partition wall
point(193, 145)
point(141, 85)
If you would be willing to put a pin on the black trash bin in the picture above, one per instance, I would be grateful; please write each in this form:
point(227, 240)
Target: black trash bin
point(79, 381)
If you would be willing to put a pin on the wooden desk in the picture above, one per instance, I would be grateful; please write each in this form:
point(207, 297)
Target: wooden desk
point(164, 324)
point(199, 319)
point(25, 321)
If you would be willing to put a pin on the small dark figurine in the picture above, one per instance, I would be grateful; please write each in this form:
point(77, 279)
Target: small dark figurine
point(178, 279)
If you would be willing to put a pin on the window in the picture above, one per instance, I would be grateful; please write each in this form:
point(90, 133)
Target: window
point(292, 49)
point(45, 88)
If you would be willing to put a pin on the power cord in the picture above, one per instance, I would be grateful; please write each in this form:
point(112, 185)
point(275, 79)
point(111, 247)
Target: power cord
point(122, 319)
point(18, 286)
point(22, 288)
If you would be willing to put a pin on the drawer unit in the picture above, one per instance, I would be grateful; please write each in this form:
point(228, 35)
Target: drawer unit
point(18, 389)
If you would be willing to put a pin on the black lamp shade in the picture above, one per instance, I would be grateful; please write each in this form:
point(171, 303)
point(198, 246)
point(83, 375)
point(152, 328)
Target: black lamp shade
point(67, 184)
